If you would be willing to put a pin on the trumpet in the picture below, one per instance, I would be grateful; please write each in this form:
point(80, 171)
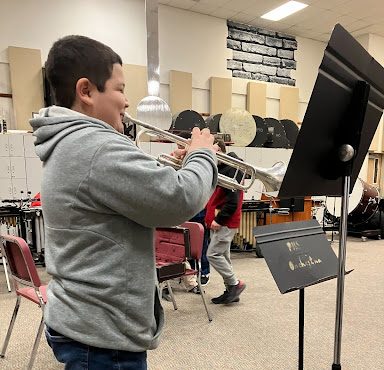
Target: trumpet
point(270, 177)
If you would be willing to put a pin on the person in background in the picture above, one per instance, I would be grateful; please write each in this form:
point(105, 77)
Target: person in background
point(205, 268)
point(102, 197)
point(223, 218)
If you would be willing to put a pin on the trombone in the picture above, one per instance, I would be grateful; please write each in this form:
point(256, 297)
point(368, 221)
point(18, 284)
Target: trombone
point(270, 177)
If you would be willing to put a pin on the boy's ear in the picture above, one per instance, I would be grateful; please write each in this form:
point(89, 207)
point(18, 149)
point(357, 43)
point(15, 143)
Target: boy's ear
point(84, 89)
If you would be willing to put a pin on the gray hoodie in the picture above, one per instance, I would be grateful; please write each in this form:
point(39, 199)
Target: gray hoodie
point(101, 199)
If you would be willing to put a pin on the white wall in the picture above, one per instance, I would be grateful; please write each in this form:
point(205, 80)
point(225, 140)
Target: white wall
point(38, 23)
point(188, 41)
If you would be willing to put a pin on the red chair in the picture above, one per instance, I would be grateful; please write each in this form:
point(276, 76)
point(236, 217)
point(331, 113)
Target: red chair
point(175, 245)
point(27, 284)
point(171, 251)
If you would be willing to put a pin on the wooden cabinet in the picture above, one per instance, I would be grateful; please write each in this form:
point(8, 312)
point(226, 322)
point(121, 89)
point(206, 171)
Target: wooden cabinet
point(292, 216)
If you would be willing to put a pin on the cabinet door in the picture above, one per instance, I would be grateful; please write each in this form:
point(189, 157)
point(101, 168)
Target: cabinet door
point(5, 168)
point(18, 186)
point(16, 145)
point(29, 146)
point(6, 189)
point(18, 167)
point(4, 146)
point(34, 174)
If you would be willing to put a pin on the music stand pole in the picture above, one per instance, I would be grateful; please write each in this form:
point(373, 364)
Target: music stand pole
point(346, 154)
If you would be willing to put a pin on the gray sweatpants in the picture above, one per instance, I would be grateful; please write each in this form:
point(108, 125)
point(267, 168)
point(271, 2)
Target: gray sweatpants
point(218, 253)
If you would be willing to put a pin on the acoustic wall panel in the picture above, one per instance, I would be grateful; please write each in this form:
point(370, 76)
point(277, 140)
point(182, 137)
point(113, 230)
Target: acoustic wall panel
point(376, 144)
point(136, 87)
point(180, 91)
point(257, 98)
point(289, 103)
point(220, 95)
point(27, 84)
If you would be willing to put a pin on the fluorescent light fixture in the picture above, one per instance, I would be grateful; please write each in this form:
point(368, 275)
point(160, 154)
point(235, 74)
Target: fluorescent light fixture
point(284, 10)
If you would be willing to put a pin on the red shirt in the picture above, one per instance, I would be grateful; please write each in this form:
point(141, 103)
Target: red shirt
point(225, 208)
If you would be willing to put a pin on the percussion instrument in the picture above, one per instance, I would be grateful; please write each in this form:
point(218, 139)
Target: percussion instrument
point(10, 220)
point(32, 225)
point(261, 132)
point(240, 125)
point(212, 122)
point(363, 203)
point(252, 214)
point(291, 131)
point(276, 136)
point(187, 120)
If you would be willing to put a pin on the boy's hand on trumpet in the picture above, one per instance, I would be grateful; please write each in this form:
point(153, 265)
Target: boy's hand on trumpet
point(200, 139)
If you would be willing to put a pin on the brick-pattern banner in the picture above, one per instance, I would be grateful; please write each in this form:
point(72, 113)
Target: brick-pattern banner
point(260, 54)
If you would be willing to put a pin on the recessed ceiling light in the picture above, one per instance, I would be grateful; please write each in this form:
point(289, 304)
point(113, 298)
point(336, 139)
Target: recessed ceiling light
point(284, 10)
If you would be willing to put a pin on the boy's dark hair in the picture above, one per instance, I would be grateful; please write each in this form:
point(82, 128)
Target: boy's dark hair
point(75, 57)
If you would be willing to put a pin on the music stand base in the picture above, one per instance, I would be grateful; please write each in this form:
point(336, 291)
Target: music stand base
point(336, 367)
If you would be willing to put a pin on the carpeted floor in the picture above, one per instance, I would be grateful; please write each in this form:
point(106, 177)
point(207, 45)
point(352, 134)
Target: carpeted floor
point(259, 332)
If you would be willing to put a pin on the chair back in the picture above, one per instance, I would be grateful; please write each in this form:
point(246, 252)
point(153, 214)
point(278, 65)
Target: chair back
point(196, 238)
point(172, 244)
point(20, 261)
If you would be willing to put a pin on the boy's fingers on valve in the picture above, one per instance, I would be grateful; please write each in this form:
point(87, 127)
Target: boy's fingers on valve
point(202, 139)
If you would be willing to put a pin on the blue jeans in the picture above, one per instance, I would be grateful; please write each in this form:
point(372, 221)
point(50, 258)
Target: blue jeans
point(78, 356)
point(205, 269)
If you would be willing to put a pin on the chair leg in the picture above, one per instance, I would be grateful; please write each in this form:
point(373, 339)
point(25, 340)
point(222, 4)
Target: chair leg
point(172, 295)
point(203, 298)
point(36, 345)
point(15, 311)
point(6, 273)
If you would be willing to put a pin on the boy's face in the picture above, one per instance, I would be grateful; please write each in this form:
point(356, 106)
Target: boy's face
point(109, 105)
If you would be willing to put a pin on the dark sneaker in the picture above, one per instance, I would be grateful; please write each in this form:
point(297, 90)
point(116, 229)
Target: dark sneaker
point(234, 292)
point(195, 290)
point(204, 280)
point(223, 299)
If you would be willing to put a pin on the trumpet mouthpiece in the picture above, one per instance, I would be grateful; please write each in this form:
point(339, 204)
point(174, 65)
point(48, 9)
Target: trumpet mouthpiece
point(127, 118)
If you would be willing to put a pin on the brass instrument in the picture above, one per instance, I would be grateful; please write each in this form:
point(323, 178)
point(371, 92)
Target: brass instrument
point(270, 177)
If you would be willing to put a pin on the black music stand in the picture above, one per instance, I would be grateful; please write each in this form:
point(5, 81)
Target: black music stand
point(346, 104)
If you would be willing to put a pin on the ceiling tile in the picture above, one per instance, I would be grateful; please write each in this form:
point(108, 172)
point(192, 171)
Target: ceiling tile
point(328, 4)
point(358, 9)
point(223, 13)
point(203, 8)
point(315, 22)
point(181, 4)
point(216, 3)
point(263, 23)
point(357, 25)
point(241, 5)
point(308, 13)
point(257, 9)
point(242, 17)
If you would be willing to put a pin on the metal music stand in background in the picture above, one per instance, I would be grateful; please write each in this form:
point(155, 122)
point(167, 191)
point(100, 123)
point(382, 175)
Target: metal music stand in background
point(346, 104)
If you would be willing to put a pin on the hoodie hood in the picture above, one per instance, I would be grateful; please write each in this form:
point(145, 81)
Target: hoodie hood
point(54, 123)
